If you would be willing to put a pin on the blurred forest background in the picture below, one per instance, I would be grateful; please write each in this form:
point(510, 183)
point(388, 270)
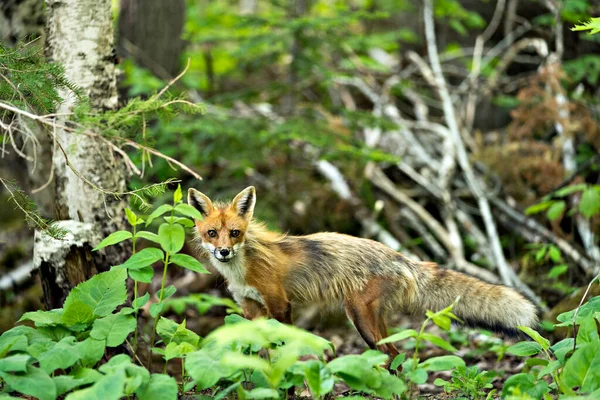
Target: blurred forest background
point(462, 132)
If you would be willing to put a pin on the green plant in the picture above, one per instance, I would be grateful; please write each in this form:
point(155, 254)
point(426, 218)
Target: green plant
point(414, 371)
point(469, 383)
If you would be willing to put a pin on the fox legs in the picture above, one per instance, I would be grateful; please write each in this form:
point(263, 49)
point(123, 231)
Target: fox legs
point(366, 313)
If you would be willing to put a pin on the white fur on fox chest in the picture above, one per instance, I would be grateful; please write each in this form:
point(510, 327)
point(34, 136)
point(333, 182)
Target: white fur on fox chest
point(233, 271)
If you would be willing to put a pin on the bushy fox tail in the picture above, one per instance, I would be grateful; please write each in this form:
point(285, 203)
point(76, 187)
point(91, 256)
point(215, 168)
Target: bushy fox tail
point(483, 305)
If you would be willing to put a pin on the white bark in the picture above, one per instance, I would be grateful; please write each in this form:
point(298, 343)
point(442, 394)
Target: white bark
point(80, 37)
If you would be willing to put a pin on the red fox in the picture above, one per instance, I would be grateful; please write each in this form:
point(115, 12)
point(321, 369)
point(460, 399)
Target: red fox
point(267, 272)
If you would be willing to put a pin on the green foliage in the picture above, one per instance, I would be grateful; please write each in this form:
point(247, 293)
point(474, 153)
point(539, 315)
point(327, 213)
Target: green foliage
point(593, 26)
point(469, 383)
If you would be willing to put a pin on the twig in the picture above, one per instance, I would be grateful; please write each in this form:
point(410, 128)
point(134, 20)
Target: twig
point(578, 307)
point(463, 159)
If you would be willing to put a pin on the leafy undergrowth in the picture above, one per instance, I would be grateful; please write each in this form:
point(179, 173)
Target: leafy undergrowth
point(92, 347)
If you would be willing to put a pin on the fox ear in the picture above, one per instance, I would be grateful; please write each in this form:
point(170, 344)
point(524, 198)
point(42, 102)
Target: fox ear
point(244, 202)
point(200, 202)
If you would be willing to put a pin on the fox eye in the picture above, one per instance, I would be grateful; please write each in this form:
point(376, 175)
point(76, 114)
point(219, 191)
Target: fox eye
point(235, 233)
point(212, 233)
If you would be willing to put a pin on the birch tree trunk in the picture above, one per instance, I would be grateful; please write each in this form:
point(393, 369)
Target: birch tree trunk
point(80, 37)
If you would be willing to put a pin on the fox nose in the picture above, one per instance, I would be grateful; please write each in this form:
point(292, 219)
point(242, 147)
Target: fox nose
point(224, 252)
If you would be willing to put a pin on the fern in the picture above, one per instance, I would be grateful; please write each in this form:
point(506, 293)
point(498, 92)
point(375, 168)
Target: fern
point(593, 25)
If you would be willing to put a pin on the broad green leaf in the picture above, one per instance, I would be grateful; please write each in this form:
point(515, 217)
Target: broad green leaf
point(188, 211)
point(171, 237)
point(87, 375)
point(554, 254)
point(61, 356)
point(160, 387)
point(144, 274)
point(399, 336)
point(262, 393)
point(36, 382)
point(526, 384)
point(158, 212)
point(174, 350)
point(189, 262)
point(438, 341)
point(319, 379)
point(398, 360)
point(13, 340)
point(442, 363)
point(588, 331)
point(153, 237)
point(109, 387)
point(113, 328)
point(418, 376)
point(156, 309)
point(591, 307)
point(114, 238)
point(141, 301)
point(14, 363)
point(539, 339)
point(90, 351)
point(583, 368)
point(65, 383)
point(562, 348)
point(589, 205)
point(131, 217)
point(166, 293)
point(206, 369)
point(177, 195)
point(550, 368)
point(101, 294)
point(43, 318)
point(524, 349)
point(143, 258)
point(440, 320)
point(78, 314)
point(186, 222)
point(556, 210)
point(166, 329)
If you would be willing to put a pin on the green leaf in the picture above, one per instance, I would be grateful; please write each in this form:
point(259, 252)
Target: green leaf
point(177, 195)
point(171, 237)
point(158, 212)
point(156, 309)
point(588, 331)
point(143, 258)
point(109, 387)
point(438, 341)
point(36, 382)
point(114, 238)
point(166, 293)
point(418, 376)
point(15, 363)
point(43, 318)
point(174, 350)
point(101, 295)
point(319, 379)
point(61, 356)
point(591, 307)
point(66, 383)
point(189, 262)
point(153, 237)
point(554, 254)
point(539, 339)
point(399, 336)
point(589, 205)
point(398, 360)
point(558, 270)
point(562, 348)
point(262, 393)
point(441, 320)
point(442, 363)
point(524, 349)
point(567, 190)
point(583, 368)
point(539, 207)
point(160, 387)
point(186, 222)
point(188, 211)
point(90, 351)
point(131, 217)
point(141, 301)
point(206, 369)
point(556, 210)
point(142, 275)
point(77, 315)
point(114, 329)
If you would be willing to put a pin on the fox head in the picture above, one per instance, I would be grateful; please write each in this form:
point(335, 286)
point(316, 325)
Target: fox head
point(223, 228)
